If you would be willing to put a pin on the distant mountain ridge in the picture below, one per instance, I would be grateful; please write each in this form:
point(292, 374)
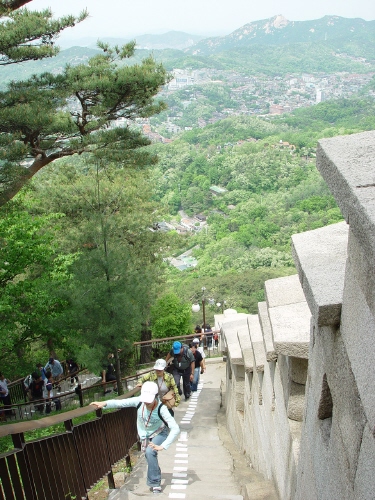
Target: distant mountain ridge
point(270, 46)
point(171, 40)
point(279, 31)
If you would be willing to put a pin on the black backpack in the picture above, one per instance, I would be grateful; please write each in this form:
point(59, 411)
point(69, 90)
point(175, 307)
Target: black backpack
point(37, 389)
point(185, 356)
point(159, 414)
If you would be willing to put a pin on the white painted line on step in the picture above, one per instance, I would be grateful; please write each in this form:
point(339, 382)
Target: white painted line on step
point(182, 469)
point(181, 461)
point(181, 455)
point(179, 474)
point(180, 481)
point(178, 487)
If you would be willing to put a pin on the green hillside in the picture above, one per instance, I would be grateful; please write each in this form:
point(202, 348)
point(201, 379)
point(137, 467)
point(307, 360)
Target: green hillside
point(279, 31)
point(273, 191)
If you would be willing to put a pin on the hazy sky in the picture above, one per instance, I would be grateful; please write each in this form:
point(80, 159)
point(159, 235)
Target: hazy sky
point(127, 18)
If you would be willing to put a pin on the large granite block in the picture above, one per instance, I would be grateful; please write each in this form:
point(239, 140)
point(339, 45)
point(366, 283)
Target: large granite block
point(246, 348)
point(256, 338)
point(358, 333)
point(347, 413)
point(320, 258)
point(362, 267)
point(364, 486)
point(296, 402)
point(347, 164)
point(298, 370)
point(289, 316)
point(291, 329)
point(265, 324)
point(284, 291)
point(306, 482)
point(229, 328)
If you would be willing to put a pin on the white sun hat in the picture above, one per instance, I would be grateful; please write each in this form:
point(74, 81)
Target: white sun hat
point(148, 392)
point(160, 364)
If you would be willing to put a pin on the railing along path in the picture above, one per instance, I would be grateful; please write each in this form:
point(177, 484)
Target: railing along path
point(66, 466)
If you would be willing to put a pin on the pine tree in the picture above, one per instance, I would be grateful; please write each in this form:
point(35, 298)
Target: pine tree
point(30, 35)
point(49, 117)
point(115, 280)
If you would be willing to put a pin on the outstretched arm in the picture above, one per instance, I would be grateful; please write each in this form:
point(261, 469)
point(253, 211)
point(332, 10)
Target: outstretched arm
point(99, 404)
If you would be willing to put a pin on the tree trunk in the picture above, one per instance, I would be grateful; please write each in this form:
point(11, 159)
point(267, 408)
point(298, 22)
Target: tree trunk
point(118, 373)
point(51, 349)
point(146, 349)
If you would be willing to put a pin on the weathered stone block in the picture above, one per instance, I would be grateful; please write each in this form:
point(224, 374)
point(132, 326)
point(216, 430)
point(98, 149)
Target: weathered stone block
point(246, 348)
point(256, 339)
point(347, 164)
point(283, 291)
point(358, 334)
point(296, 402)
point(291, 329)
point(320, 258)
point(265, 324)
point(298, 370)
point(364, 486)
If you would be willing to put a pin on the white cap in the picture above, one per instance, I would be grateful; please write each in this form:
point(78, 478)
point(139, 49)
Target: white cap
point(148, 392)
point(195, 341)
point(160, 364)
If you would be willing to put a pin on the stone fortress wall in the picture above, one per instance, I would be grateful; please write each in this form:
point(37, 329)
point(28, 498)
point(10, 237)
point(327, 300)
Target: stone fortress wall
point(300, 382)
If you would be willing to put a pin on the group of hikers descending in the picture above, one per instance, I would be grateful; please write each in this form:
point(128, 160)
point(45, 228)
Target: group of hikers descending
point(160, 393)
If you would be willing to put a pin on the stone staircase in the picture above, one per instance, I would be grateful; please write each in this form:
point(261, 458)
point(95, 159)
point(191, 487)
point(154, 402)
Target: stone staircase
point(203, 462)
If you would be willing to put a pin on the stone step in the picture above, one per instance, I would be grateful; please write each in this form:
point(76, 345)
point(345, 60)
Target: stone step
point(207, 472)
point(259, 491)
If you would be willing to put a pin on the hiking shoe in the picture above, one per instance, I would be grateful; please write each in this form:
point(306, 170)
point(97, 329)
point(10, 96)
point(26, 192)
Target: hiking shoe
point(156, 489)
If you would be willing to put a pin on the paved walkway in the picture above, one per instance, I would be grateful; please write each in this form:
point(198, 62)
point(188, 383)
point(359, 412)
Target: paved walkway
point(197, 465)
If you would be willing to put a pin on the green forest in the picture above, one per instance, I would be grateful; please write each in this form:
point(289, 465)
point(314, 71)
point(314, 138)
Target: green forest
point(83, 271)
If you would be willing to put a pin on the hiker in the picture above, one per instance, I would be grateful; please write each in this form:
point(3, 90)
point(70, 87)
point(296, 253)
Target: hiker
point(157, 429)
point(199, 332)
point(42, 371)
point(216, 339)
point(164, 380)
point(26, 385)
point(198, 366)
point(54, 366)
point(49, 395)
point(109, 375)
point(36, 391)
point(196, 342)
point(208, 333)
point(183, 366)
point(4, 395)
point(73, 368)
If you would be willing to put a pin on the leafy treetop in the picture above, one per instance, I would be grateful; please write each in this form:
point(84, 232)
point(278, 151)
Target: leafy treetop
point(53, 116)
point(30, 35)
